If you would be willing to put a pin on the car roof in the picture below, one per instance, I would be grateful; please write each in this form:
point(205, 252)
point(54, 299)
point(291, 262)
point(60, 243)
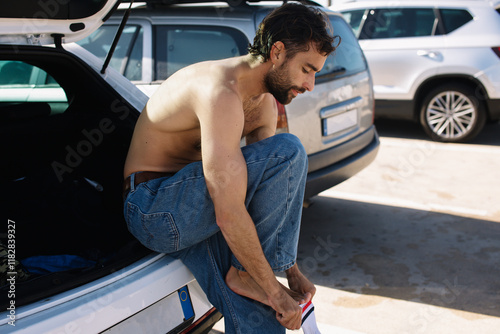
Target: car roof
point(355, 4)
point(232, 3)
point(210, 9)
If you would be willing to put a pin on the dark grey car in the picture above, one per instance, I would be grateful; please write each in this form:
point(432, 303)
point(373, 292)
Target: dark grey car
point(334, 122)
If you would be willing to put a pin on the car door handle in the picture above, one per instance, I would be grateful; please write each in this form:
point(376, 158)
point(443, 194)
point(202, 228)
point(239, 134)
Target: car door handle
point(429, 53)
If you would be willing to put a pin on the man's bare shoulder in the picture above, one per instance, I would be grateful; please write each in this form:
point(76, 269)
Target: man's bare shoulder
point(201, 82)
point(193, 90)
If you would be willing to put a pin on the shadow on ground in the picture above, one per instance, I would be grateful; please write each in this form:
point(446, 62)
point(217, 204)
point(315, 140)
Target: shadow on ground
point(412, 130)
point(427, 257)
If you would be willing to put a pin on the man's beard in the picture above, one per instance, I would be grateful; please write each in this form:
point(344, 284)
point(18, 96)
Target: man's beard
point(279, 85)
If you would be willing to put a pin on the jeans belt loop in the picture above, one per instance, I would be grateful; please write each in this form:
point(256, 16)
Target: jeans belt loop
point(132, 182)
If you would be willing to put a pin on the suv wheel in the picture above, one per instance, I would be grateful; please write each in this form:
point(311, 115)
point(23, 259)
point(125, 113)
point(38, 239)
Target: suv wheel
point(452, 113)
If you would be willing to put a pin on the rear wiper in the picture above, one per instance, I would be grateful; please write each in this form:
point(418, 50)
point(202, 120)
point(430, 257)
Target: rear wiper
point(117, 38)
point(337, 70)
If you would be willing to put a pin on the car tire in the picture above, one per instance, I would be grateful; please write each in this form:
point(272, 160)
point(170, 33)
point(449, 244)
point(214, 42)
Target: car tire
point(452, 113)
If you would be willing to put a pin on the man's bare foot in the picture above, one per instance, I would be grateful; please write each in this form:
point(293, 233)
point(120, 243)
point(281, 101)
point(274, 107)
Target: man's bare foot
point(242, 283)
point(299, 283)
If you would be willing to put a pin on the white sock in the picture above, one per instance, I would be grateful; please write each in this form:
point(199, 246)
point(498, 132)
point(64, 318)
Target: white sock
point(309, 325)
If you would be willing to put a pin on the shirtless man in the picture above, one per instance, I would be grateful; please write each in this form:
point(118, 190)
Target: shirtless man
point(230, 213)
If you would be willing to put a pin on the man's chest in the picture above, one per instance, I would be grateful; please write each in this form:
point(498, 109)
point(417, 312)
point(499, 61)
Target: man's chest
point(253, 117)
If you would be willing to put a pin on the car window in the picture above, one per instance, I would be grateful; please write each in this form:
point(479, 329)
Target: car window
point(22, 82)
point(399, 22)
point(127, 57)
point(348, 58)
point(177, 46)
point(15, 73)
point(354, 18)
point(454, 18)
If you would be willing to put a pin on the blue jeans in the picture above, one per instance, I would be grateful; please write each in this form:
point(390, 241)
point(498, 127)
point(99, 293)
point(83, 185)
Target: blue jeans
point(175, 215)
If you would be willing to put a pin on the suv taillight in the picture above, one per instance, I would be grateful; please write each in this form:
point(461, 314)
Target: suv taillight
point(282, 125)
point(496, 49)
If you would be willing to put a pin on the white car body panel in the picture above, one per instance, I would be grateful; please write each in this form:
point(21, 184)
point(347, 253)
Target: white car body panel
point(99, 305)
point(389, 66)
point(127, 294)
point(30, 31)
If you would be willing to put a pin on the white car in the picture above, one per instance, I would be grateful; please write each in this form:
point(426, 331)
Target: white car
point(67, 261)
point(437, 62)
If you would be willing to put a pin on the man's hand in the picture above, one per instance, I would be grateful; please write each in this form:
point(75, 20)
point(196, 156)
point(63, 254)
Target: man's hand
point(288, 311)
point(299, 283)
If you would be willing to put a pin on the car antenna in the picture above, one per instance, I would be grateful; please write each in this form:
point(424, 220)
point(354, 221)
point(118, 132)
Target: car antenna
point(117, 38)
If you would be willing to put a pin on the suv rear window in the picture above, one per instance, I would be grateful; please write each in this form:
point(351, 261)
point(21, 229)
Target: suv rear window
point(454, 18)
point(347, 58)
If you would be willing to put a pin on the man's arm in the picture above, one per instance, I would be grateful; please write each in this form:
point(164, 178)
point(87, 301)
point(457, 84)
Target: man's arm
point(225, 173)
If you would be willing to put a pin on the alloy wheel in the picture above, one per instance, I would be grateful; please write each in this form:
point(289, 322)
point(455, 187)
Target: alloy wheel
point(451, 114)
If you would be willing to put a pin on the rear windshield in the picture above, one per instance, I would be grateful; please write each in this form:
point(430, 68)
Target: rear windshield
point(348, 58)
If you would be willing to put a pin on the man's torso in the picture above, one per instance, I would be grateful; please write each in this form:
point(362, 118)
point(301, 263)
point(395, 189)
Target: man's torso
point(167, 136)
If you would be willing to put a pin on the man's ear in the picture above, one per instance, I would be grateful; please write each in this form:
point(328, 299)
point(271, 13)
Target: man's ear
point(278, 52)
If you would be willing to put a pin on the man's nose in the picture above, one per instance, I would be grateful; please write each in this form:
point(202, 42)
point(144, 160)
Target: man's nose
point(309, 84)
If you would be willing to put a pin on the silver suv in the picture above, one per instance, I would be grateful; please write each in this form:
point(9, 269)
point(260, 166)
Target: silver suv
point(334, 122)
point(437, 62)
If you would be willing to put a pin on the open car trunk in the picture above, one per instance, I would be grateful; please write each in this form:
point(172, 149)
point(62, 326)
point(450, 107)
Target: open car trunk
point(61, 176)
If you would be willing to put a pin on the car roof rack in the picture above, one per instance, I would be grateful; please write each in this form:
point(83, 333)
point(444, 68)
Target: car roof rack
point(232, 3)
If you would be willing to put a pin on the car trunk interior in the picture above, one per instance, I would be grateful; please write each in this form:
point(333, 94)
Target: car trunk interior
point(61, 180)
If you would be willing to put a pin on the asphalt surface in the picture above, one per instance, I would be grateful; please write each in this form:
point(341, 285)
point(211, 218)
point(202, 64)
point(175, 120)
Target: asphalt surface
point(412, 243)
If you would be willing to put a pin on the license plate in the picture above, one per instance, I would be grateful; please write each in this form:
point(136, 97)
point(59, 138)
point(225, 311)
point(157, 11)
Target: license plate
point(171, 314)
point(339, 122)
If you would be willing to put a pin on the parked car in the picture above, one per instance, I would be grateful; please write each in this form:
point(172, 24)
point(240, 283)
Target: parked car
point(67, 261)
point(334, 122)
point(436, 62)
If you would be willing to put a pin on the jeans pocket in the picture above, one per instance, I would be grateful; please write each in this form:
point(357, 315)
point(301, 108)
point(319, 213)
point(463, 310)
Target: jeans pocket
point(157, 231)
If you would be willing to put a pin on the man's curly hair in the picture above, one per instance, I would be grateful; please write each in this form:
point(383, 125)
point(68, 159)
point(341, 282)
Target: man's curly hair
point(295, 25)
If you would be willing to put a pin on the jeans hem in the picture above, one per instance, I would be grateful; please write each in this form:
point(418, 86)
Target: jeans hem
point(280, 269)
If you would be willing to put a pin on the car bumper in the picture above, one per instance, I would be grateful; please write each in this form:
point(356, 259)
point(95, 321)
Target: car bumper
point(339, 171)
point(131, 299)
